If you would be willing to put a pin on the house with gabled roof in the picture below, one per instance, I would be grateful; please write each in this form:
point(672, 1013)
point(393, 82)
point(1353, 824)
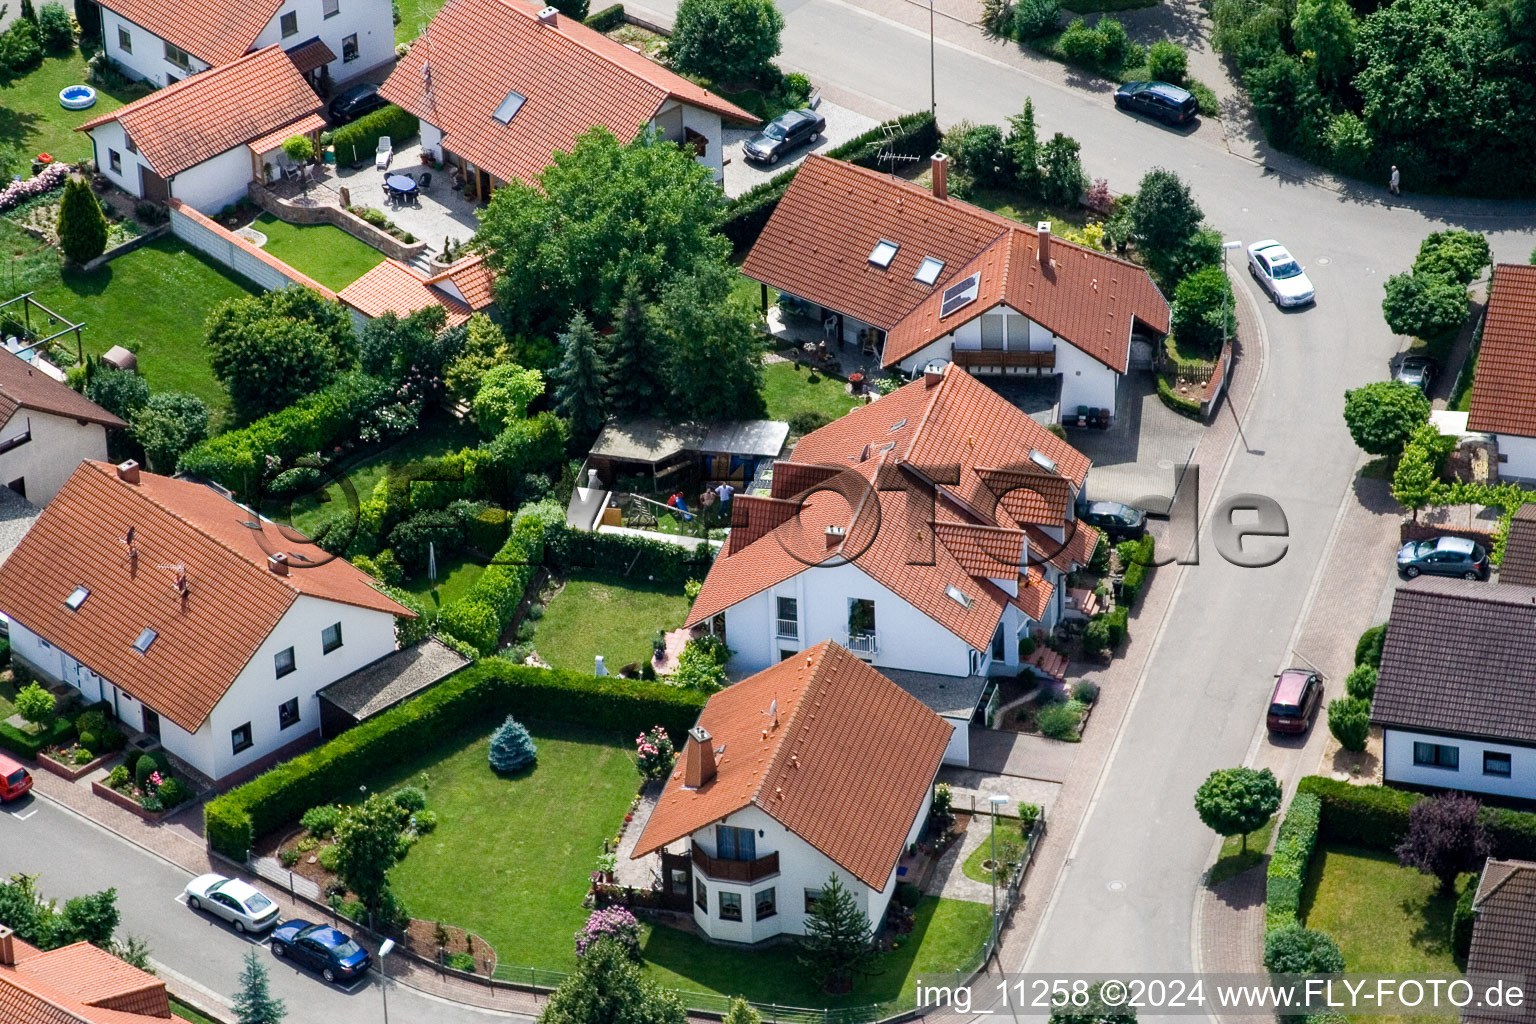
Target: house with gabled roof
point(203, 140)
point(1519, 562)
point(76, 984)
point(1503, 933)
point(394, 287)
point(199, 622)
point(1456, 694)
point(327, 41)
point(46, 429)
point(927, 532)
point(923, 278)
point(817, 766)
point(501, 85)
point(1504, 379)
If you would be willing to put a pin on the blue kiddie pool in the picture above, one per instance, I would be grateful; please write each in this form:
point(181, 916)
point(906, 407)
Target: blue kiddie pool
point(77, 97)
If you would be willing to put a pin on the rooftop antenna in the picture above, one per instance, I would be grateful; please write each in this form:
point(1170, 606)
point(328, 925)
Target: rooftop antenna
point(888, 153)
point(179, 584)
point(773, 712)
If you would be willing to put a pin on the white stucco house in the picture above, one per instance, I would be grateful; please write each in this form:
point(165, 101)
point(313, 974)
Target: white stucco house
point(1456, 698)
point(46, 430)
point(203, 140)
point(921, 278)
point(328, 41)
point(815, 767)
point(198, 622)
point(501, 85)
point(927, 532)
point(1505, 377)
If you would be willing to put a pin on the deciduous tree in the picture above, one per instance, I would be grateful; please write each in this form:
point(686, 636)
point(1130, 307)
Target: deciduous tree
point(1062, 180)
point(1164, 214)
point(1326, 29)
point(169, 424)
point(1424, 305)
point(607, 987)
point(35, 704)
point(713, 350)
point(1202, 316)
point(368, 844)
point(1383, 415)
point(120, 392)
point(269, 350)
point(731, 41)
point(1455, 254)
point(1445, 838)
point(1235, 801)
point(505, 393)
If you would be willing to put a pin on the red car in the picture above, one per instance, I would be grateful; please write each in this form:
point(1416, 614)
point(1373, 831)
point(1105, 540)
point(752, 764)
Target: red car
point(1298, 692)
point(14, 779)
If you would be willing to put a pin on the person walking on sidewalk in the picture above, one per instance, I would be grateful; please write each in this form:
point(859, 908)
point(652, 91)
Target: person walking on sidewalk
point(1392, 182)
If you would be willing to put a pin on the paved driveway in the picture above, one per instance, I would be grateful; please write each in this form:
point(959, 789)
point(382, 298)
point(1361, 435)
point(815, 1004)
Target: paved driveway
point(1138, 455)
point(740, 176)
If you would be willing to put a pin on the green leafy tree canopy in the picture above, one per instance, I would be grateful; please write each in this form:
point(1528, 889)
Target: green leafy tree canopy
point(505, 394)
point(608, 987)
point(730, 41)
point(82, 227)
point(368, 844)
point(169, 424)
point(1383, 415)
point(271, 349)
point(1236, 801)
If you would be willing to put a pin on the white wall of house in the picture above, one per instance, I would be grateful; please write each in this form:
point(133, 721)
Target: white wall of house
point(216, 182)
point(256, 694)
point(58, 446)
point(1517, 457)
point(705, 122)
point(1084, 380)
point(432, 140)
point(802, 869)
point(1469, 774)
point(371, 21)
point(109, 138)
point(906, 637)
point(147, 60)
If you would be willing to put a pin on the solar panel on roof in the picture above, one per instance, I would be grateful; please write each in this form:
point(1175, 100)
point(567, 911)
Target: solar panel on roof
point(960, 294)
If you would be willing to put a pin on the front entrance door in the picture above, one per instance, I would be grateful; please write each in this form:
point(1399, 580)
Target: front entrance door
point(152, 723)
point(152, 187)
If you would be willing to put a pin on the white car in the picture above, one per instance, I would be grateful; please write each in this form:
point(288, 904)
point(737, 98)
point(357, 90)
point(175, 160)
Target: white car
point(1277, 270)
point(242, 905)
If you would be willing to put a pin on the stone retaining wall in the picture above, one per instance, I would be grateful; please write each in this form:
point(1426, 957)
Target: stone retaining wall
point(318, 213)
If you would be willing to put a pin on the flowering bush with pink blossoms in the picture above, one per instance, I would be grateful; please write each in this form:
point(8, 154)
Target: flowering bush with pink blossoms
point(610, 923)
point(18, 192)
point(655, 754)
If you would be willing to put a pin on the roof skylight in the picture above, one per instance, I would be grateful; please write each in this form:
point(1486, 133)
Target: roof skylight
point(897, 426)
point(883, 253)
point(76, 598)
point(509, 107)
point(929, 270)
point(958, 596)
point(145, 639)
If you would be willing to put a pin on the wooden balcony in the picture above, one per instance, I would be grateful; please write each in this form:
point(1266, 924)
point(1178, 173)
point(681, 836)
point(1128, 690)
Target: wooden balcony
point(735, 870)
point(991, 358)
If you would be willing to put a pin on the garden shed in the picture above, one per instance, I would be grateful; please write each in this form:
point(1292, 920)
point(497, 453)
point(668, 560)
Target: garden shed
point(379, 686)
point(683, 454)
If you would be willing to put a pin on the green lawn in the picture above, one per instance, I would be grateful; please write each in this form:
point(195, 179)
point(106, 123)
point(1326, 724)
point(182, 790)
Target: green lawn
point(1234, 860)
point(789, 388)
point(511, 855)
point(1007, 203)
point(608, 615)
point(31, 118)
point(947, 935)
point(323, 251)
point(1009, 848)
point(455, 575)
point(187, 1013)
point(158, 296)
point(414, 15)
point(1386, 919)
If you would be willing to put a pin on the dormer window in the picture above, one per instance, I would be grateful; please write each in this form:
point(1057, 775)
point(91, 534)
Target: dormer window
point(76, 598)
point(145, 639)
point(958, 596)
point(928, 271)
point(509, 107)
point(883, 253)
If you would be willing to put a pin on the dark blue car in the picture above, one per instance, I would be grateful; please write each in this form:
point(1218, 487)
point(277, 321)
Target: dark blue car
point(322, 948)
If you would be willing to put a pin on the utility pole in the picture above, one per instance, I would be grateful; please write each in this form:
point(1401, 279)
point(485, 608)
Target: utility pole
point(932, 90)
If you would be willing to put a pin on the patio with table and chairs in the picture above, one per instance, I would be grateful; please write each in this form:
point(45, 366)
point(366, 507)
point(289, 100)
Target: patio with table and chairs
point(403, 189)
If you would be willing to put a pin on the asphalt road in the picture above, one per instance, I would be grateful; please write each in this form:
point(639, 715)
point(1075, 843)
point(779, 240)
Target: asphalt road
point(74, 857)
point(1125, 897)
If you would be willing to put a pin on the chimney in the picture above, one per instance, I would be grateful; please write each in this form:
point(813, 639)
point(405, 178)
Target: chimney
point(128, 472)
point(932, 376)
point(698, 758)
point(835, 536)
point(547, 15)
point(7, 947)
point(277, 564)
point(1043, 242)
point(940, 176)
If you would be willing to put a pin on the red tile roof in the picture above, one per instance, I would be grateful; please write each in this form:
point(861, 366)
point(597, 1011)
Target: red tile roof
point(24, 387)
point(1088, 298)
point(205, 639)
point(472, 279)
point(313, 54)
point(396, 288)
point(847, 769)
point(200, 117)
point(79, 984)
point(476, 52)
point(1504, 384)
point(956, 432)
point(303, 126)
point(213, 32)
point(250, 247)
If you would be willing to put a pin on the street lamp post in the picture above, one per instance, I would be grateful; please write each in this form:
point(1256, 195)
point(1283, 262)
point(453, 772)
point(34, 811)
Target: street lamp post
point(385, 949)
point(997, 800)
point(932, 89)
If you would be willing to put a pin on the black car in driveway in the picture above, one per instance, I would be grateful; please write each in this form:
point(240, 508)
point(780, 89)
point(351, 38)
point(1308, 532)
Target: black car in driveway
point(355, 102)
point(336, 955)
point(785, 133)
point(1119, 522)
point(1165, 102)
point(1443, 556)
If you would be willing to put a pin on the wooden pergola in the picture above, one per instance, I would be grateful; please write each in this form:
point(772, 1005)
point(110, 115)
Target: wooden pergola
point(28, 304)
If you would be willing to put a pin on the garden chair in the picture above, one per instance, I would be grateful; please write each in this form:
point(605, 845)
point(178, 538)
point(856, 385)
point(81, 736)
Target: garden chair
point(424, 181)
point(385, 152)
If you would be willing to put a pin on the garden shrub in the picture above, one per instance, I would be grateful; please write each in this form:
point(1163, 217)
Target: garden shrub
point(1361, 682)
point(424, 821)
point(20, 49)
point(359, 140)
point(607, 19)
point(1081, 44)
point(94, 722)
point(1349, 719)
point(614, 923)
point(1297, 950)
point(1096, 635)
point(1368, 648)
point(1136, 560)
point(1167, 62)
point(1287, 870)
point(329, 857)
point(1035, 18)
point(1084, 692)
point(654, 754)
point(321, 821)
point(53, 28)
point(434, 529)
point(1060, 721)
point(173, 792)
point(908, 894)
point(150, 764)
point(511, 747)
point(409, 798)
point(298, 480)
point(1462, 920)
point(807, 420)
point(487, 690)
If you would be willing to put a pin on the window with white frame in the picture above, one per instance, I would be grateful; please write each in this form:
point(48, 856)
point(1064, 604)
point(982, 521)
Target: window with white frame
point(124, 40)
point(330, 8)
point(177, 56)
point(288, 24)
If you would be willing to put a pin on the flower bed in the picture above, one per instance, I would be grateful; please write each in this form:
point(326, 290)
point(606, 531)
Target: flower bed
point(144, 781)
point(18, 192)
point(65, 762)
point(447, 945)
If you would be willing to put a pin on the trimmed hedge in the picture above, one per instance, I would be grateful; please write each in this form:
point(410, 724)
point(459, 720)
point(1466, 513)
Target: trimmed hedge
point(1368, 647)
point(1288, 864)
point(238, 459)
point(482, 694)
point(1377, 817)
point(746, 215)
point(18, 742)
point(637, 557)
point(607, 19)
point(1178, 403)
point(1140, 564)
point(358, 141)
